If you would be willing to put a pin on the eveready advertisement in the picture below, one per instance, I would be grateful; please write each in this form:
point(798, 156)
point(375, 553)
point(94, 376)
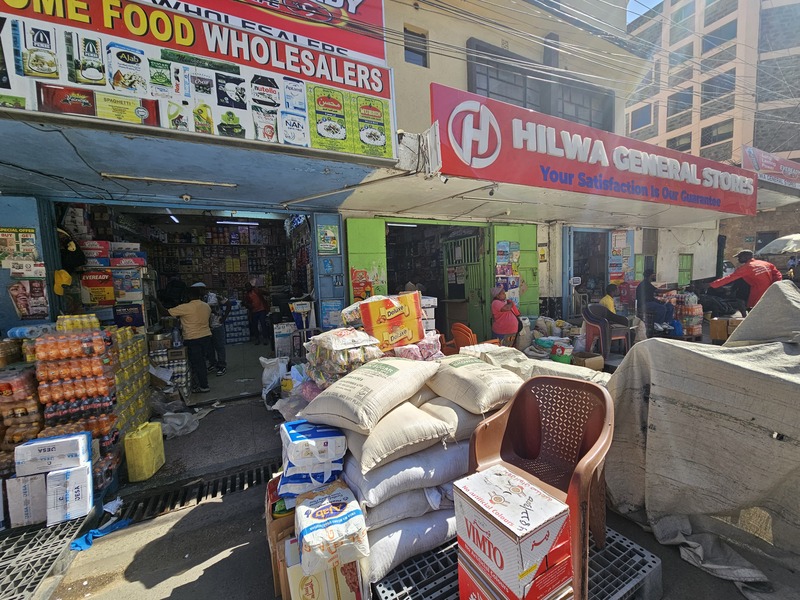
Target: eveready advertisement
point(771, 168)
point(133, 62)
point(490, 140)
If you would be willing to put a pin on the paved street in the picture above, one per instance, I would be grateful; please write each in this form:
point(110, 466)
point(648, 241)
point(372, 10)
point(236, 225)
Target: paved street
point(219, 550)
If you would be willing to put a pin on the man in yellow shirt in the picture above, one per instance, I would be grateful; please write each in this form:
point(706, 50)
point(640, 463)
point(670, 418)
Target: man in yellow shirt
point(195, 317)
point(608, 300)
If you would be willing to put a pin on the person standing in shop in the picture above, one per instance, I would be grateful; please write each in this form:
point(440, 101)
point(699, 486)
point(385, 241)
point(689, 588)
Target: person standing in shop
point(220, 309)
point(195, 317)
point(504, 317)
point(257, 303)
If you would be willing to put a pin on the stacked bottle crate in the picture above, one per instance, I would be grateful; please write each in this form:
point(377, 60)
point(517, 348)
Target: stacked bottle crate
point(133, 379)
point(237, 326)
point(690, 314)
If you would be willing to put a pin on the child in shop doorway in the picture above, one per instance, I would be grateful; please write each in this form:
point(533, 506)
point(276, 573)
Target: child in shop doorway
point(257, 303)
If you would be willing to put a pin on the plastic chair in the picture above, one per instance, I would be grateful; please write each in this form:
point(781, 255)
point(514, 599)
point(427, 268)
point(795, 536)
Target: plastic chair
point(463, 336)
point(605, 326)
point(448, 347)
point(555, 432)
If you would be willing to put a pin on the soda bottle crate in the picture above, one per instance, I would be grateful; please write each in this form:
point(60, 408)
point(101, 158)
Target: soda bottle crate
point(622, 570)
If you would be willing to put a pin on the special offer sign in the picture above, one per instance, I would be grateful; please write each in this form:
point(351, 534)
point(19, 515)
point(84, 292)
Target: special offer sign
point(486, 139)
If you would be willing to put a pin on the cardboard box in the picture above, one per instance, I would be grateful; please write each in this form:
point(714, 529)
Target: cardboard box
point(278, 530)
point(332, 584)
point(177, 353)
point(125, 246)
point(510, 529)
point(128, 254)
point(98, 262)
point(2, 508)
point(734, 323)
point(128, 262)
point(97, 287)
point(397, 333)
point(69, 494)
point(429, 324)
point(390, 310)
point(89, 253)
point(718, 329)
point(50, 454)
point(429, 302)
point(94, 246)
point(589, 360)
point(428, 313)
point(472, 585)
point(27, 500)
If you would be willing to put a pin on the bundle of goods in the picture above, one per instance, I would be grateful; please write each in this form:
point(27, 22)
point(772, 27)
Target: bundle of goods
point(394, 321)
point(333, 354)
point(550, 327)
point(237, 325)
point(407, 425)
point(53, 480)
point(19, 408)
point(10, 352)
point(689, 313)
point(428, 348)
point(312, 457)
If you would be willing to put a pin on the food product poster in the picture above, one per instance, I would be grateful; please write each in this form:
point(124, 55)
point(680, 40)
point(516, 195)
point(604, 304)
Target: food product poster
point(451, 274)
point(513, 252)
point(194, 71)
point(503, 256)
point(26, 269)
point(331, 312)
point(29, 297)
point(327, 239)
point(18, 243)
point(542, 252)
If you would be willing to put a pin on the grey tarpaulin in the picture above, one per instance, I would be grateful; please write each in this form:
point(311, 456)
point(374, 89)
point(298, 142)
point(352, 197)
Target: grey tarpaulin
point(706, 430)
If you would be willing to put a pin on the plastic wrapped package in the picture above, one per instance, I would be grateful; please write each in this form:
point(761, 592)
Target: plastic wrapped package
point(430, 345)
point(343, 338)
point(321, 378)
point(411, 351)
point(340, 361)
point(351, 316)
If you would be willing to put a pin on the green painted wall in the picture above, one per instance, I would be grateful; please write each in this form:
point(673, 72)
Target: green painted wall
point(528, 263)
point(366, 251)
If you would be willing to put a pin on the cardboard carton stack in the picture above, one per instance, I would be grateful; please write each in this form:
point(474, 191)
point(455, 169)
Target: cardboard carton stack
point(721, 328)
point(513, 538)
point(53, 481)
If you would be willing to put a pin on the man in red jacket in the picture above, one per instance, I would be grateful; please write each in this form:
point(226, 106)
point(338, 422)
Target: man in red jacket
point(758, 274)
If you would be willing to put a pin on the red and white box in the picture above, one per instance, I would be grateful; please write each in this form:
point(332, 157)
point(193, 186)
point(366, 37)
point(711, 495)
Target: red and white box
point(95, 248)
point(472, 585)
point(516, 534)
point(128, 262)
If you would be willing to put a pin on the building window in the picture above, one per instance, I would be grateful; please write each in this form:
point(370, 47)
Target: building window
point(681, 143)
point(641, 117)
point(681, 55)
point(685, 269)
point(719, 36)
point(416, 47)
point(683, 14)
point(677, 103)
point(503, 78)
point(713, 134)
point(718, 86)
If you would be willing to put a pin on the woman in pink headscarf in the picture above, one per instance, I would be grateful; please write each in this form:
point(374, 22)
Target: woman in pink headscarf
point(504, 316)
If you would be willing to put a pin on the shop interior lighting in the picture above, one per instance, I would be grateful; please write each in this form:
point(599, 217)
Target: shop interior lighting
point(168, 180)
point(171, 216)
point(237, 223)
point(401, 224)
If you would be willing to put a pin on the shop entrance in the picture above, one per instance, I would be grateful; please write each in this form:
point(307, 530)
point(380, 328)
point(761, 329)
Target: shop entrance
point(586, 257)
point(163, 254)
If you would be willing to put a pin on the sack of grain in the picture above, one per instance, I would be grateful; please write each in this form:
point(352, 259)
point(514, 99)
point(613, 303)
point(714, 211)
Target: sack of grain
point(472, 384)
point(393, 544)
point(330, 528)
point(425, 394)
point(413, 503)
point(404, 431)
point(431, 467)
point(360, 399)
point(461, 421)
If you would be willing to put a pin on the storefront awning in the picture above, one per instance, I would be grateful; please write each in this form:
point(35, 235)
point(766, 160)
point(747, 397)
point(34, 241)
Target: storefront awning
point(101, 162)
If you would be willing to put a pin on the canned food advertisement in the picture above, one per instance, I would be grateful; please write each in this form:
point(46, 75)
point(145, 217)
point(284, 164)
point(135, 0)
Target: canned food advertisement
point(194, 71)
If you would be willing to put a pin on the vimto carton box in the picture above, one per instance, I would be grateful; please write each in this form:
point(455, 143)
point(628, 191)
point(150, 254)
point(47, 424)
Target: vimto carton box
point(514, 533)
point(472, 585)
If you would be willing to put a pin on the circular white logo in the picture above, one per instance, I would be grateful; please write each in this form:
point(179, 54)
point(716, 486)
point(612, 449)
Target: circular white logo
point(464, 139)
point(141, 112)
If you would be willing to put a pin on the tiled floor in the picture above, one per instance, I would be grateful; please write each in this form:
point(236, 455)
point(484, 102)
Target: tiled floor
point(243, 378)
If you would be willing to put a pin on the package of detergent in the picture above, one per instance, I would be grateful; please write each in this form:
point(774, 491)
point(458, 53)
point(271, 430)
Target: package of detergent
point(299, 480)
point(307, 445)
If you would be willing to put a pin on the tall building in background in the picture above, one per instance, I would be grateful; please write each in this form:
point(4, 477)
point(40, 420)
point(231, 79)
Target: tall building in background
point(725, 73)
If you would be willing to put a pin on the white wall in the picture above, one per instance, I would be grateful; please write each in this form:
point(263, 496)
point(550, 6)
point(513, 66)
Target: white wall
point(699, 240)
point(550, 272)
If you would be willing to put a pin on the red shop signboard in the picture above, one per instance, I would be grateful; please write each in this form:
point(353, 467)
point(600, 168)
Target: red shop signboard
point(490, 140)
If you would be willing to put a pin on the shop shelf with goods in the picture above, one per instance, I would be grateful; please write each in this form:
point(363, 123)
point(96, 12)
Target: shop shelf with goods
point(177, 361)
point(237, 325)
point(690, 314)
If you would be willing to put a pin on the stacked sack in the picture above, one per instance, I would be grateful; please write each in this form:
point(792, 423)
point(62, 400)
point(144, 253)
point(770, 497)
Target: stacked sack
point(407, 425)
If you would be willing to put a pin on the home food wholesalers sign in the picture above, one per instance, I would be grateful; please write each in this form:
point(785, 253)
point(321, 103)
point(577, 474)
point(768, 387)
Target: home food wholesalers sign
point(490, 140)
point(137, 63)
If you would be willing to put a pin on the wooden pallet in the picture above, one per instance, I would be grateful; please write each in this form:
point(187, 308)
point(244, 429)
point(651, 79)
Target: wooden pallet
point(692, 338)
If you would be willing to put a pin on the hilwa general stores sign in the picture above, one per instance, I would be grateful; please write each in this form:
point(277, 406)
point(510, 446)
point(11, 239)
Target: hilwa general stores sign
point(192, 69)
point(490, 140)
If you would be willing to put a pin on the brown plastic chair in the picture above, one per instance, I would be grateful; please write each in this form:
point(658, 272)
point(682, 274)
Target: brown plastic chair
point(555, 432)
point(463, 336)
